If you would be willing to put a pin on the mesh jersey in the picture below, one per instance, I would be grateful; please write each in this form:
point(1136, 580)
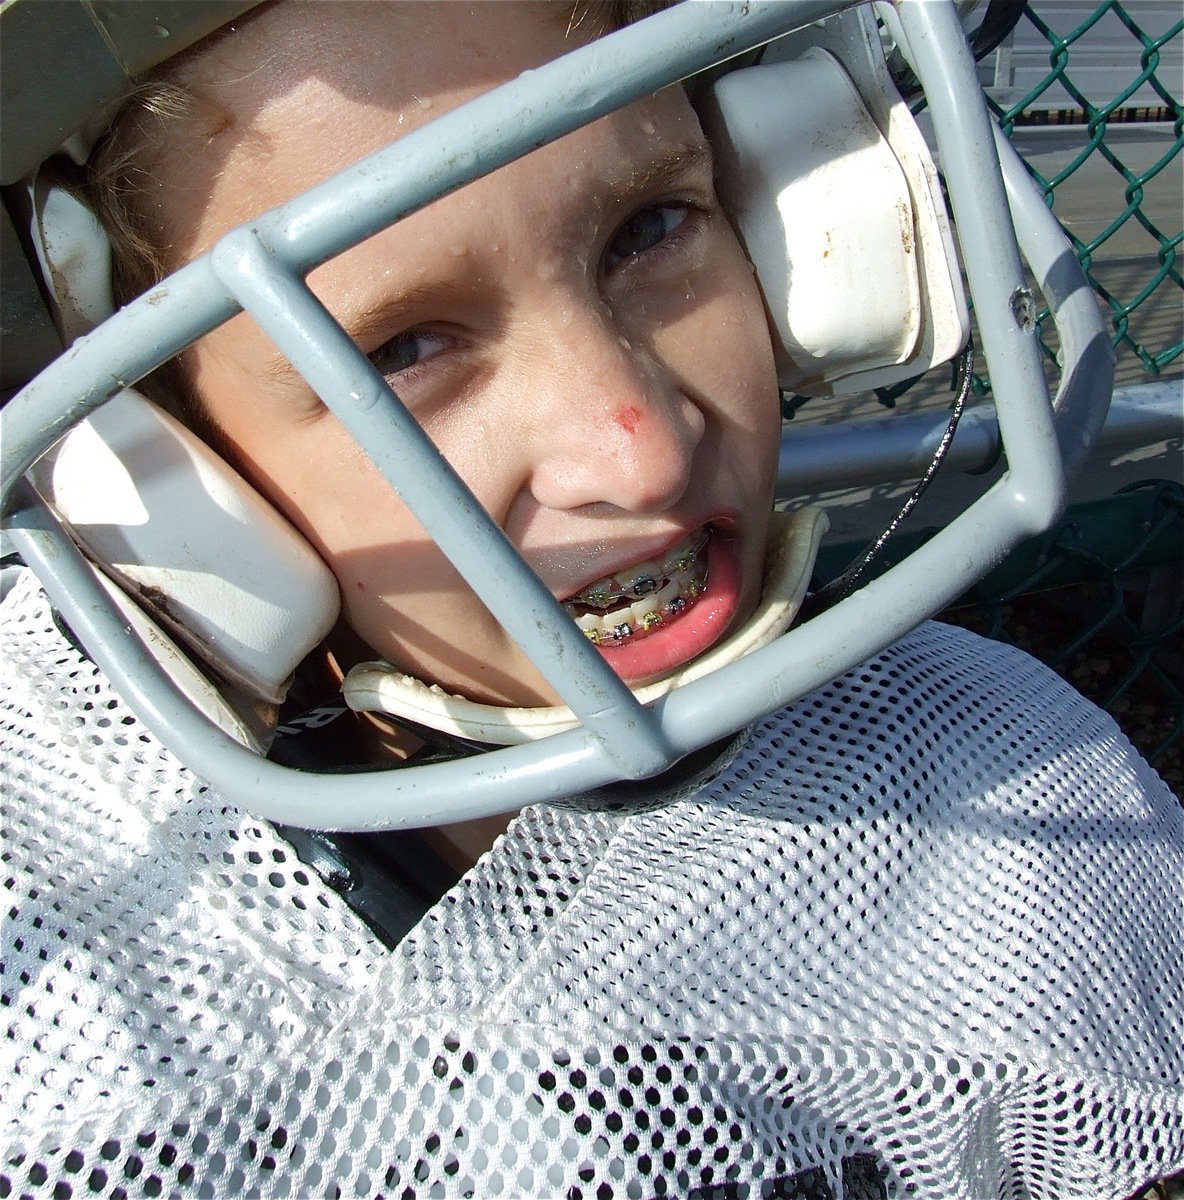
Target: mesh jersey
point(921, 936)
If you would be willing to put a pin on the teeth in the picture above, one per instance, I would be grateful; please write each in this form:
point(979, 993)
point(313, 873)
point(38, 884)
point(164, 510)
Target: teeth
point(643, 579)
point(636, 601)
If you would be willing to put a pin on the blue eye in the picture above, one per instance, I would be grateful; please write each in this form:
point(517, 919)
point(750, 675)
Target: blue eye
point(404, 352)
point(643, 231)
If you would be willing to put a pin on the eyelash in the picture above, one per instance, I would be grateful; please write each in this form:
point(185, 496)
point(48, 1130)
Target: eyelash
point(670, 239)
point(411, 370)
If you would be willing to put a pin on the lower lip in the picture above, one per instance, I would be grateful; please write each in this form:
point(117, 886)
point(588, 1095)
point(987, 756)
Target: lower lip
point(676, 642)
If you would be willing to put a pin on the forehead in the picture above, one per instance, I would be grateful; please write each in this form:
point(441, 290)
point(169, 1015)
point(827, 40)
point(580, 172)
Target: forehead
point(381, 51)
point(306, 88)
point(275, 118)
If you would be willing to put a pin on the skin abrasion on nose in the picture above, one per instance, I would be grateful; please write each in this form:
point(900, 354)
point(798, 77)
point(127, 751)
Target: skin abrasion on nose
point(628, 418)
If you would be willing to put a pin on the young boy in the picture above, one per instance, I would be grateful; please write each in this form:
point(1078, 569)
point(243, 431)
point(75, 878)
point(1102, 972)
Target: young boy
point(912, 937)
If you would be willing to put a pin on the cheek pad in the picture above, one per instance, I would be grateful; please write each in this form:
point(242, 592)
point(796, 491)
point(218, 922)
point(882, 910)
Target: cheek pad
point(211, 563)
point(192, 543)
point(836, 199)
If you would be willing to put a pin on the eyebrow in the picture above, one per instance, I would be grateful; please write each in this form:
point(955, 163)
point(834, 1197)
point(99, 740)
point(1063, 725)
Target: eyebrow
point(359, 327)
point(666, 168)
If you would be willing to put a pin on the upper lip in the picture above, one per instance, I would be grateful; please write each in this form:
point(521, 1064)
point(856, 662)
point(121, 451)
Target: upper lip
point(657, 549)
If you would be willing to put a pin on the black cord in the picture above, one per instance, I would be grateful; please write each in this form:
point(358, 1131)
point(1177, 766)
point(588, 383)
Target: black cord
point(843, 585)
point(999, 19)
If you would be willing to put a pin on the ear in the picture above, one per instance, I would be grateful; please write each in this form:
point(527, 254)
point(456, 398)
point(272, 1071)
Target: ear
point(833, 192)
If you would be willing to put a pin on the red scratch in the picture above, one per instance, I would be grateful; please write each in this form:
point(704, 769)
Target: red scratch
point(628, 418)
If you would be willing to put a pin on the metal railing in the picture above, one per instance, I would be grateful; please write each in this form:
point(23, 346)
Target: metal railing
point(1113, 626)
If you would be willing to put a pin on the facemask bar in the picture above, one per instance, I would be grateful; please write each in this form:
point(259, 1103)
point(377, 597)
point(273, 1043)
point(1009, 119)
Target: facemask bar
point(264, 264)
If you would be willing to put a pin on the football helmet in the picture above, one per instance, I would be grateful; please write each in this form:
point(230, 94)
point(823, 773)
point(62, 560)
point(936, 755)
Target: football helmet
point(199, 601)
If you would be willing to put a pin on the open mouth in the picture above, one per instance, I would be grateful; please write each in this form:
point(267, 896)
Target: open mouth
point(641, 598)
point(683, 650)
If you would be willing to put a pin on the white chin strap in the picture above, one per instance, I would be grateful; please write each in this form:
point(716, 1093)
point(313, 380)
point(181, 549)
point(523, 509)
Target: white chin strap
point(789, 559)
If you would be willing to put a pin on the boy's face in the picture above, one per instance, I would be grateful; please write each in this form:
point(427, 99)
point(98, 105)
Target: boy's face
point(580, 334)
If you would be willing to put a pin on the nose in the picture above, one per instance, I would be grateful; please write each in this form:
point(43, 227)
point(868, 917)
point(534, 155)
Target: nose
point(612, 425)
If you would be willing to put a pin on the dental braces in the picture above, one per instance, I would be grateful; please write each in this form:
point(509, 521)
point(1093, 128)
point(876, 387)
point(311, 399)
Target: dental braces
point(650, 620)
point(603, 595)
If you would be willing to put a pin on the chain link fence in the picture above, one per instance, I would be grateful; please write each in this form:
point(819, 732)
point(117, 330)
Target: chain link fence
point(1099, 598)
point(1145, 70)
point(1090, 94)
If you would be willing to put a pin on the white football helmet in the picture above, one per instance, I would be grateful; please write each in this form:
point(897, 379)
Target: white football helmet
point(199, 601)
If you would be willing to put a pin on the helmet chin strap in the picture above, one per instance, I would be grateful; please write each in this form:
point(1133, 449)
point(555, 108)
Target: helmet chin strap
point(791, 549)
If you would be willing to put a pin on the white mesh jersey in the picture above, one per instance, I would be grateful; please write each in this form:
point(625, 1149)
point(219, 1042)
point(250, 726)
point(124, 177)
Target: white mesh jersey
point(922, 936)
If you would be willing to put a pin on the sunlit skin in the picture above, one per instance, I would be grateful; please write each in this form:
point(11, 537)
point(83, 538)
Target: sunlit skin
point(579, 333)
